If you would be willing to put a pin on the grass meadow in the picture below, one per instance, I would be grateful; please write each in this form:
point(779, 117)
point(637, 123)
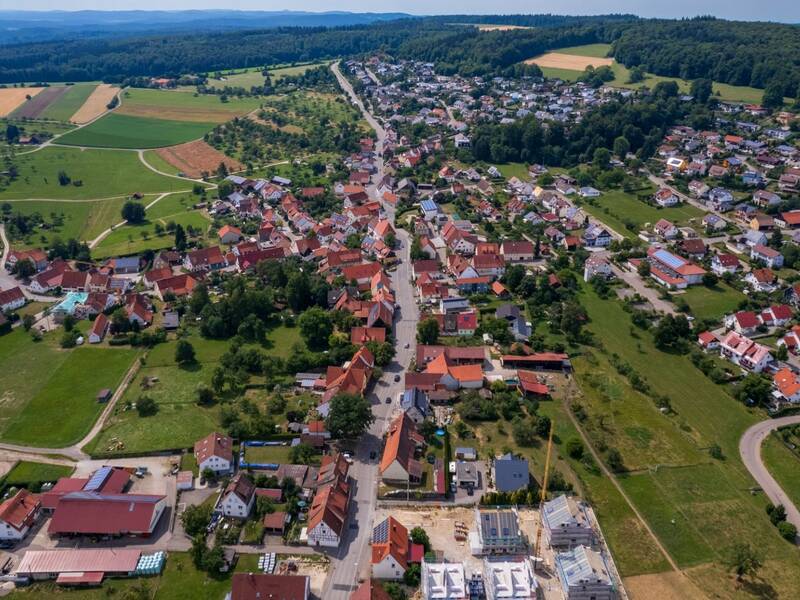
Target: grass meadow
point(698, 506)
point(29, 473)
point(184, 106)
point(714, 302)
point(102, 173)
point(49, 393)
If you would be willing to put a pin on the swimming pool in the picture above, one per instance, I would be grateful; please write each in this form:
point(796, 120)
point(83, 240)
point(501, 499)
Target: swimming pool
point(67, 305)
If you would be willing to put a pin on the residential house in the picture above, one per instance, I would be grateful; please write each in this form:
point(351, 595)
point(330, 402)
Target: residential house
point(228, 234)
point(766, 255)
point(666, 229)
point(327, 516)
point(204, 259)
point(443, 581)
point(18, 513)
point(238, 498)
point(99, 329)
point(11, 299)
point(787, 385)
point(392, 550)
point(665, 197)
point(510, 473)
point(509, 579)
point(215, 452)
point(584, 575)
point(744, 321)
point(498, 532)
point(744, 352)
point(596, 236)
point(762, 280)
point(414, 403)
point(517, 251)
point(399, 464)
point(708, 341)
point(724, 263)
point(596, 266)
point(566, 522)
point(265, 586)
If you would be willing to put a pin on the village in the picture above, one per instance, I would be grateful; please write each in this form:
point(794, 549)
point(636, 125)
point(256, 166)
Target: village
point(439, 295)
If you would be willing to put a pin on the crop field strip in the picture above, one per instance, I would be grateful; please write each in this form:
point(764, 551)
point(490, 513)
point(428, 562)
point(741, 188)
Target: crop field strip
point(65, 106)
point(33, 108)
point(128, 132)
point(96, 104)
point(12, 98)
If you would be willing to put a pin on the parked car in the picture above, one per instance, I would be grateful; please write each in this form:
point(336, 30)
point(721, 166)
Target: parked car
point(397, 378)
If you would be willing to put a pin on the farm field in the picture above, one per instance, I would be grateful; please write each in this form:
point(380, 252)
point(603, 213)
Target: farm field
point(492, 27)
point(713, 302)
point(590, 52)
point(33, 108)
point(195, 158)
point(11, 98)
point(66, 105)
point(104, 174)
point(78, 220)
point(152, 158)
point(246, 79)
point(117, 130)
point(697, 506)
point(572, 62)
point(292, 70)
point(40, 378)
point(183, 106)
point(95, 104)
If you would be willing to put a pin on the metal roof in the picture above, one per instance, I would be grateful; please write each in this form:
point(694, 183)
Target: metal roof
point(561, 512)
point(669, 259)
point(97, 479)
point(106, 560)
point(582, 565)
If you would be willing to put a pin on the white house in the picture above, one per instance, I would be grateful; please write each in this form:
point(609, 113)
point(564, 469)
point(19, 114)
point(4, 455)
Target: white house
point(99, 329)
point(666, 197)
point(11, 299)
point(18, 514)
point(443, 581)
point(215, 452)
point(328, 514)
point(238, 498)
point(596, 265)
point(744, 352)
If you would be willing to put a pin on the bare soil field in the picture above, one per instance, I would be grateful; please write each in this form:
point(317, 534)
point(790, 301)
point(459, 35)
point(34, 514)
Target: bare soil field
point(34, 107)
point(556, 60)
point(194, 158)
point(665, 586)
point(95, 105)
point(11, 98)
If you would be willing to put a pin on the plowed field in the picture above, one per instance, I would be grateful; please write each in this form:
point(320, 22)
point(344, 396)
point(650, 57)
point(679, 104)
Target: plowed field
point(195, 158)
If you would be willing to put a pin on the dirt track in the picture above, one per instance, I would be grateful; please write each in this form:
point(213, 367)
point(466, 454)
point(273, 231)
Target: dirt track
point(11, 98)
point(95, 104)
point(556, 60)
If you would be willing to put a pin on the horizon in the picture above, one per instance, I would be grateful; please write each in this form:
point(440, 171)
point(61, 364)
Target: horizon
point(781, 11)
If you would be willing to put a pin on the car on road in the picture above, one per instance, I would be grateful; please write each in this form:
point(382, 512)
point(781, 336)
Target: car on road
point(407, 345)
point(388, 399)
point(397, 378)
point(372, 455)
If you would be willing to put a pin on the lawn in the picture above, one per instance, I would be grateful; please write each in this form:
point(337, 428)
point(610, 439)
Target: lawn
point(619, 210)
point(26, 473)
point(724, 91)
point(697, 506)
point(712, 302)
point(41, 379)
point(69, 393)
point(267, 454)
point(291, 71)
point(180, 580)
point(184, 106)
point(117, 130)
point(68, 104)
point(245, 79)
point(128, 239)
point(102, 173)
point(783, 465)
point(518, 170)
point(79, 220)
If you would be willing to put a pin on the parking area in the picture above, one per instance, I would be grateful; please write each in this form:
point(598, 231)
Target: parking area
point(157, 480)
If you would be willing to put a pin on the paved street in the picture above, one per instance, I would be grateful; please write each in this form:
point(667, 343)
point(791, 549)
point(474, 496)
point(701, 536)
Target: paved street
point(351, 560)
point(750, 451)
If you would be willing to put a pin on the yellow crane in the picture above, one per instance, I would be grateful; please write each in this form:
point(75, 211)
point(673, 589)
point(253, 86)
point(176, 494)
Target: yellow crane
point(542, 497)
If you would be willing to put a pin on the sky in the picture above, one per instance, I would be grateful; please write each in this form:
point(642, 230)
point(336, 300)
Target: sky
point(768, 10)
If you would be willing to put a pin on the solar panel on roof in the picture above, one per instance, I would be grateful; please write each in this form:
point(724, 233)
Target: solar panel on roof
point(97, 480)
point(672, 261)
point(380, 534)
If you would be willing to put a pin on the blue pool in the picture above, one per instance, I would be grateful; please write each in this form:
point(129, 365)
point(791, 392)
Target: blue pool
point(67, 305)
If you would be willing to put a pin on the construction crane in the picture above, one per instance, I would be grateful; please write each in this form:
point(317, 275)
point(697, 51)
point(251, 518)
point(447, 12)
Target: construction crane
point(542, 497)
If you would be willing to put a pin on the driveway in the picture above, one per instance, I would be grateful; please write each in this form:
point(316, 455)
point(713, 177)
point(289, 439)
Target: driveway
point(750, 451)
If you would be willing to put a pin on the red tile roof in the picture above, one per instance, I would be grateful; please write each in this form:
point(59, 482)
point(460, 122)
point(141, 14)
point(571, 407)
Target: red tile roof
point(214, 444)
point(257, 586)
point(19, 510)
point(90, 513)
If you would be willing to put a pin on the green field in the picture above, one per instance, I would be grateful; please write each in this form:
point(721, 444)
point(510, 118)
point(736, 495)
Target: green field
point(245, 79)
point(79, 220)
point(714, 302)
point(41, 381)
point(617, 208)
point(68, 104)
point(783, 465)
point(126, 131)
point(291, 71)
point(27, 473)
point(697, 506)
point(103, 173)
point(179, 581)
point(153, 159)
point(724, 91)
point(184, 106)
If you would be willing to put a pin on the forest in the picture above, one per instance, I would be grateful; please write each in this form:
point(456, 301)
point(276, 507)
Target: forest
point(738, 53)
